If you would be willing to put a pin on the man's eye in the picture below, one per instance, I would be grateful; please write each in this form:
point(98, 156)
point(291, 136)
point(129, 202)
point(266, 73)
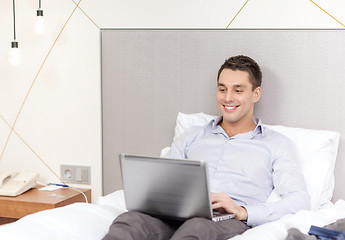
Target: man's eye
point(238, 90)
point(222, 90)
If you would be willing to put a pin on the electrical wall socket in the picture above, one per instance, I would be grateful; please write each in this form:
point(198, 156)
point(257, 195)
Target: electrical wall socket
point(76, 174)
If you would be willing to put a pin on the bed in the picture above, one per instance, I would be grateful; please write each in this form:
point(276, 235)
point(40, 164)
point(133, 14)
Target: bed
point(318, 151)
point(155, 74)
point(91, 222)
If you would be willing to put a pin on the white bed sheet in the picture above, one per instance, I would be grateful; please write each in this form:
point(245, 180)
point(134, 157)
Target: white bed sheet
point(91, 222)
point(82, 221)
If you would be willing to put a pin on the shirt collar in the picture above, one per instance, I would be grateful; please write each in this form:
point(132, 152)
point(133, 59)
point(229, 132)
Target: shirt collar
point(214, 124)
point(259, 128)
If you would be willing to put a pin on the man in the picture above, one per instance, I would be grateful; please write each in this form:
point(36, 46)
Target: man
point(246, 162)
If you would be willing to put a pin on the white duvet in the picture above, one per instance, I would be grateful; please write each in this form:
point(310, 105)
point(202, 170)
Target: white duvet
point(91, 221)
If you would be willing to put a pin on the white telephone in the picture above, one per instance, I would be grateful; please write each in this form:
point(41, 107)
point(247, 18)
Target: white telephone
point(14, 183)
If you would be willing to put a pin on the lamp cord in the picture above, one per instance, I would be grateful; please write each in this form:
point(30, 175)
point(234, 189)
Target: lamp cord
point(14, 19)
point(39, 4)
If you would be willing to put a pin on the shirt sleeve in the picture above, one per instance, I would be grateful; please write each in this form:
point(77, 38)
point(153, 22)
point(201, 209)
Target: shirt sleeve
point(288, 181)
point(179, 148)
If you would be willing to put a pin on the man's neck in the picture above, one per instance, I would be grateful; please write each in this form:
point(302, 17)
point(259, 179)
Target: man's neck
point(233, 129)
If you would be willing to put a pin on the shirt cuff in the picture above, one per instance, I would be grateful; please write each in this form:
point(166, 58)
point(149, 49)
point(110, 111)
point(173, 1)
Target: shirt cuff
point(256, 214)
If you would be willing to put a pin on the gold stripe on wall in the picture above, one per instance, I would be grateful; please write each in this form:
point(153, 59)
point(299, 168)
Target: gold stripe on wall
point(327, 13)
point(31, 149)
point(86, 14)
point(237, 14)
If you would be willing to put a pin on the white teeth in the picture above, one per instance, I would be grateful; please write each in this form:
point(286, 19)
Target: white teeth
point(229, 108)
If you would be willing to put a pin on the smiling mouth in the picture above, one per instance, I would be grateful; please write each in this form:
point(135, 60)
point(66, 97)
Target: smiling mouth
point(230, 107)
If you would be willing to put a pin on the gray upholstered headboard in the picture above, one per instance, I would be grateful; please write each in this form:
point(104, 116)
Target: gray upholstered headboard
point(148, 76)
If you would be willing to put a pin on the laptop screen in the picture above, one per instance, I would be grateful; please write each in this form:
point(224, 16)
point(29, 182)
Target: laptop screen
point(169, 188)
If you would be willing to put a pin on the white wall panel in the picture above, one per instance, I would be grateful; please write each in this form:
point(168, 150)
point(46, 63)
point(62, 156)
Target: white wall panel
point(283, 14)
point(163, 14)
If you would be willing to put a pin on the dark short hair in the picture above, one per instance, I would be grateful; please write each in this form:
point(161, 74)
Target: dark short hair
point(246, 64)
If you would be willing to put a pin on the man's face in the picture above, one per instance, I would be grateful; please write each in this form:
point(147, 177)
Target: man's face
point(235, 96)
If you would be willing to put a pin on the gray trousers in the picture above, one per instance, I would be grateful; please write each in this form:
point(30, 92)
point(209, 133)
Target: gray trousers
point(139, 226)
point(295, 234)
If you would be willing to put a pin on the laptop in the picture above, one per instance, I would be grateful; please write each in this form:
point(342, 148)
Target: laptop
point(167, 188)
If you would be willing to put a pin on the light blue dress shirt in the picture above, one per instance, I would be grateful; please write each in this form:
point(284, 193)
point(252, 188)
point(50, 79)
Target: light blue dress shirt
point(248, 167)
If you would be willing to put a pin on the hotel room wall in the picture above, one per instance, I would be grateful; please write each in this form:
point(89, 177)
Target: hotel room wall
point(61, 117)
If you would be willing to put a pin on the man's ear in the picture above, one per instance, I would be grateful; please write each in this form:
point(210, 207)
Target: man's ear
point(257, 94)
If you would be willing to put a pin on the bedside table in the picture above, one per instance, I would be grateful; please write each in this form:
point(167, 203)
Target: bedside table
point(34, 200)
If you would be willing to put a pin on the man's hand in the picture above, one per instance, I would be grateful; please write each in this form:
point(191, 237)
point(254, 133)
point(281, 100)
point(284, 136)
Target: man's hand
point(224, 204)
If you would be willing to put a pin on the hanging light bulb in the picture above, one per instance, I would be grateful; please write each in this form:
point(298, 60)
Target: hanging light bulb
point(14, 55)
point(39, 22)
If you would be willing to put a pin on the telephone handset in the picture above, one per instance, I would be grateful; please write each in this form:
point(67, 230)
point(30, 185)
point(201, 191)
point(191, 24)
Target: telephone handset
point(14, 183)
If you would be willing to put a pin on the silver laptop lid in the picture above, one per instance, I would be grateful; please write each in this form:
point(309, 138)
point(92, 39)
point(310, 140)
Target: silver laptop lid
point(170, 188)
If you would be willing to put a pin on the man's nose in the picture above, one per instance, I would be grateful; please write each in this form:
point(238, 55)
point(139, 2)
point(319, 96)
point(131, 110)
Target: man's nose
point(229, 97)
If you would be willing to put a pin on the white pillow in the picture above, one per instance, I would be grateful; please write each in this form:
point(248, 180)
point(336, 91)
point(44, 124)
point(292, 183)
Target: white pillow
point(317, 148)
point(185, 121)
